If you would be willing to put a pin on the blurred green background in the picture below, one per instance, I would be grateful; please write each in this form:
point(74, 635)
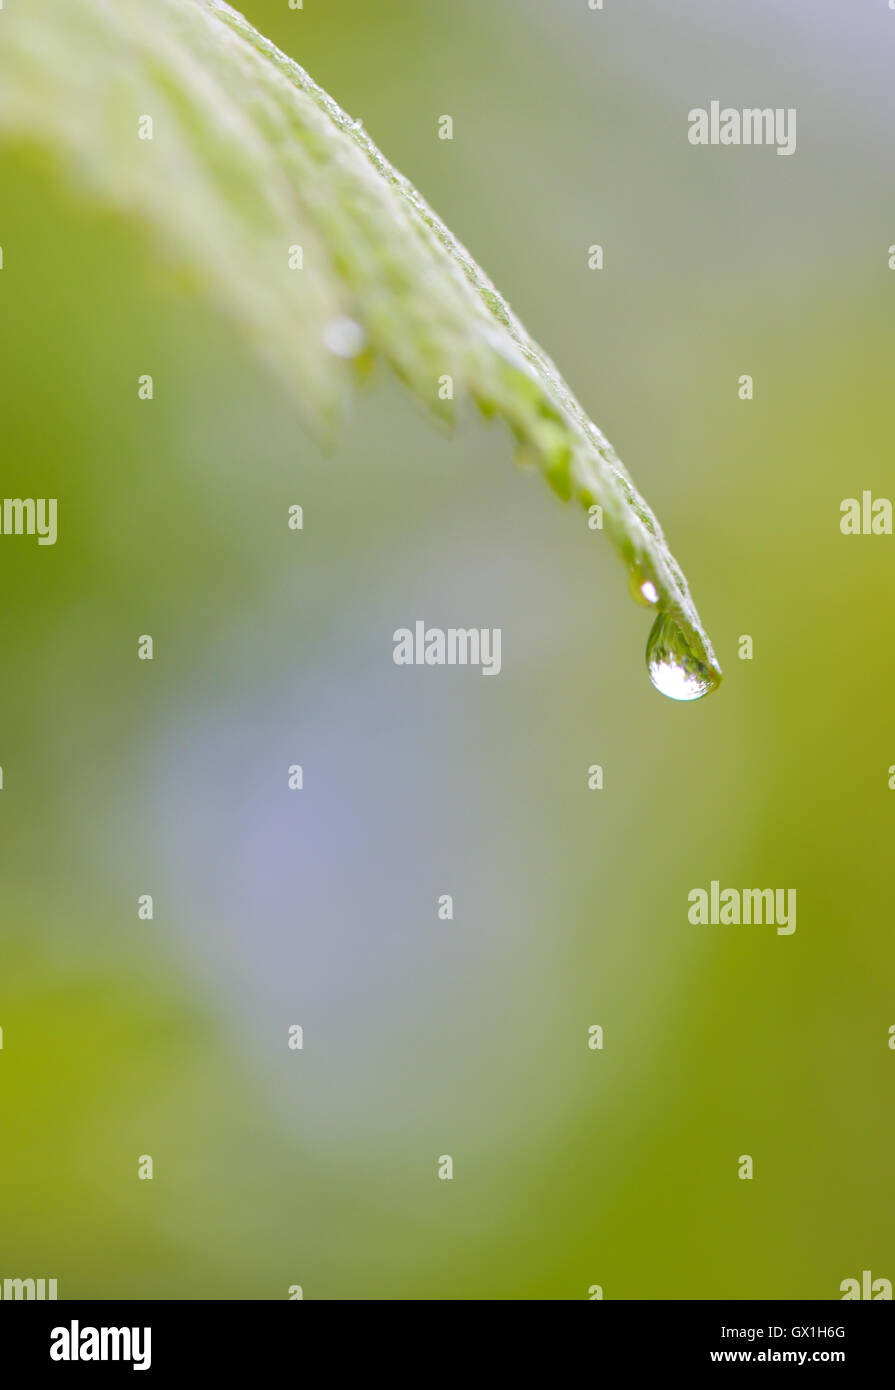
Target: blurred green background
point(572, 1167)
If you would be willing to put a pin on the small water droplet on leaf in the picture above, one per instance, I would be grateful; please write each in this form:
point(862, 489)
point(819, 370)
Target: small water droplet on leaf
point(343, 336)
point(524, 456)
point(643, 590)
point(673, 669)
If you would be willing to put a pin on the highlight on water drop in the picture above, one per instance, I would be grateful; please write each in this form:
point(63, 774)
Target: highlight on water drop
point(673, 668)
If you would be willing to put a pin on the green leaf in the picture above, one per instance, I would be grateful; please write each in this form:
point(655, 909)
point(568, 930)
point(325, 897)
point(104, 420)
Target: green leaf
point(249, 158)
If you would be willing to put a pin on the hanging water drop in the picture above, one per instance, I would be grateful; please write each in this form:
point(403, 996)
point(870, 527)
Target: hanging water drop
point(673, 669)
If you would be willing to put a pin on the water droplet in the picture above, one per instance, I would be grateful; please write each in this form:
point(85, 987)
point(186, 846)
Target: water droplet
point(343, 336)
point(524, 456)
point(643, 590)
point(673, 669)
